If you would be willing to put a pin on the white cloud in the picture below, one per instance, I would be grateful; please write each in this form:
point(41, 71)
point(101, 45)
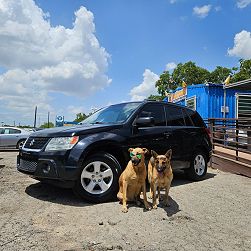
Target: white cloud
point(173, 1)
point(40, 59)
point(146, 88)
point(171, 66)
point(243, 3)
point(242, 45)
point(202, 11)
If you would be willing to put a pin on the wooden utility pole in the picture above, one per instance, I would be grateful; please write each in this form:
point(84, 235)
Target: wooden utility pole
point(48, 119)
point(35, 119)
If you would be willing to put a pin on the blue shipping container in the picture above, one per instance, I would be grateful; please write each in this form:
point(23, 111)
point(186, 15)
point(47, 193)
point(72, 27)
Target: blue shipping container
point(208, 100)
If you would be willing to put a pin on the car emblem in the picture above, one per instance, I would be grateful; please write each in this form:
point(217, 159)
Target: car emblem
point(32, 142)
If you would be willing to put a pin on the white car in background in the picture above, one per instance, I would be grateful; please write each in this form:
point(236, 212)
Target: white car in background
point(242, 138)
point(12, 137)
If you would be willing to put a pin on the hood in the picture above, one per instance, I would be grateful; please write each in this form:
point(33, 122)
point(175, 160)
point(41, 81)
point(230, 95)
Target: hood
point(75, 130)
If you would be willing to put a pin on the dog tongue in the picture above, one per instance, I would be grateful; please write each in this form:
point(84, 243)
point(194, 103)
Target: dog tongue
point(160, 173)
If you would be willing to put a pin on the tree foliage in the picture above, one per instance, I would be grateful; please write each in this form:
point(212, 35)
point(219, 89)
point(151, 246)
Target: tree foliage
point(156, 97)
point(80, 117)
point(165, 83)
point(220, 74)
point(45, 125)
point(190, 73)
point(243, 72)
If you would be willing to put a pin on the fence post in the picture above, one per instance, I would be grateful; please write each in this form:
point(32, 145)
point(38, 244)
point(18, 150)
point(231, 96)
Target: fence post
point(237, 139)
point(211, 127)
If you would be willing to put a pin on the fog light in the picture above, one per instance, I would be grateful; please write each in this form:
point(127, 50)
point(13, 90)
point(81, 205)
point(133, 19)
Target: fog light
point(46, 168)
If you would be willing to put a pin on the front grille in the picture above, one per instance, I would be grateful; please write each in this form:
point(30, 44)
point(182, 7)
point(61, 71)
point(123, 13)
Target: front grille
point(26, 165)
point(36, 142)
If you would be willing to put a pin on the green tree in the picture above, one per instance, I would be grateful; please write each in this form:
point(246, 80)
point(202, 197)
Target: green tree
point(220, 74)
point(45, 125)
point(165, 83)
point(80, 117)
point(244, 71)
point(190, 73)
point(156, 97)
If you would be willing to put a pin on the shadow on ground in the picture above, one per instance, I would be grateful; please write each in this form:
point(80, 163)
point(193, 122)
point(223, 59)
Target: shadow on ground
point(46, 192)
point(172, 209)
point(1, 166)
point(180, 178)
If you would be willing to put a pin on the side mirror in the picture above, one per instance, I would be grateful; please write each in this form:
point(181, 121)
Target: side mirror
point(145, 121)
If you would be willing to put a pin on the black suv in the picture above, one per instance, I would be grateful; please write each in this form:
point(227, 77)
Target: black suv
point(90, 157)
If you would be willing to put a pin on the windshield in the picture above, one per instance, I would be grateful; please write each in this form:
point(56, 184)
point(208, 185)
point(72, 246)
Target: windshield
point(112, 114)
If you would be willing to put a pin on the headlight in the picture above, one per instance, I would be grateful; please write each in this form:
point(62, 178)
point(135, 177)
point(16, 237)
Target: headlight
point(61, 143)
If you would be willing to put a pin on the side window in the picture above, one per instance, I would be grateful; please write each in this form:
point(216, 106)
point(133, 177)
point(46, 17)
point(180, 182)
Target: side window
point(156, 111)
point(187, 118)
point(14, 131)
point(197, 120)
point(174, 116)
point(2, 131)
point(6, 131)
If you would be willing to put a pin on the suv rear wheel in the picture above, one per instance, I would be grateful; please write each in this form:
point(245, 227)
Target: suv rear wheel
point(198, 166)
point(98, 179)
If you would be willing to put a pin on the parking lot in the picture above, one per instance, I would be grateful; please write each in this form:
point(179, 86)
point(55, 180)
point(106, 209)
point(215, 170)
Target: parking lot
point(213, 214)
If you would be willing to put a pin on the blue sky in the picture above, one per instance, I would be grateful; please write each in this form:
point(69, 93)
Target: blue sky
point(70, 56)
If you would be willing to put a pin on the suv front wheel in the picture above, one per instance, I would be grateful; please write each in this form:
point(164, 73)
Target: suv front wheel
point(98, 179)
point(198, 167)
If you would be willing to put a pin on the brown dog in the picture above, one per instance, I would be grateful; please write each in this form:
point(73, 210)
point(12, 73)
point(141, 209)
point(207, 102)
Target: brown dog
point(160, 175)
point(132, 180)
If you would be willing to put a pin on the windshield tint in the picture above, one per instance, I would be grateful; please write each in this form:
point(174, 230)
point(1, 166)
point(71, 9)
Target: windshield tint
point(112, 114)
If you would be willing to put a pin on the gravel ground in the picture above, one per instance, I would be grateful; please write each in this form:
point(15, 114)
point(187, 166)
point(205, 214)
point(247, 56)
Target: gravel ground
point(214, 214)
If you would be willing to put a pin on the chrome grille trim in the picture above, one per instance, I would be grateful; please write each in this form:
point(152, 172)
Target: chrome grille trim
point(35, 143)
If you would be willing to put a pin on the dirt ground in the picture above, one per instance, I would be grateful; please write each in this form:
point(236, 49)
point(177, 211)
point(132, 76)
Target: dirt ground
point(214, 214)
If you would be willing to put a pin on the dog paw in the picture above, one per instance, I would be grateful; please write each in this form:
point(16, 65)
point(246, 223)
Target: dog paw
point(124, 210)
point(155, 207)
point(148, 207)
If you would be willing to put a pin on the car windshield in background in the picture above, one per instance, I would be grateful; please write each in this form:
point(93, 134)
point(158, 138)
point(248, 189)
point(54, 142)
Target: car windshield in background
point(112, 114)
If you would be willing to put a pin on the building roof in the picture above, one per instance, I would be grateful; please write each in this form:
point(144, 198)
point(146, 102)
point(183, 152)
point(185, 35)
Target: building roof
point(244, 85)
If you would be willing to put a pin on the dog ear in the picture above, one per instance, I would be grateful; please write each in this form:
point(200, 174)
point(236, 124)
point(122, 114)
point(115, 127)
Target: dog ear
point(130, 149)
point(145, 150)
point(169, 154)
point(154, 154)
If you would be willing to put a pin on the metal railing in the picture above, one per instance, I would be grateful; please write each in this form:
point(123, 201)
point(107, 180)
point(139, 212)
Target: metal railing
point(231, 139)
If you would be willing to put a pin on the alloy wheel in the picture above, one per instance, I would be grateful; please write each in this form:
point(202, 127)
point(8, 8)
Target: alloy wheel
point(96, 177)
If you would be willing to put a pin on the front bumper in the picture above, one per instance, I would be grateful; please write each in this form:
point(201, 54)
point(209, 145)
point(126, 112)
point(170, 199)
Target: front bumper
point(44, 166)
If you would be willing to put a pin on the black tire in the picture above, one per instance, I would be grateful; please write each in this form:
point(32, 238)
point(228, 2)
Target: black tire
point(20, 143)
point(198, 166)
point(105, 188)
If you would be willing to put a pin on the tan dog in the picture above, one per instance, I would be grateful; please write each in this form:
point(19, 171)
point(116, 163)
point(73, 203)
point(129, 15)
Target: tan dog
point(132, 180)
point(160, 175)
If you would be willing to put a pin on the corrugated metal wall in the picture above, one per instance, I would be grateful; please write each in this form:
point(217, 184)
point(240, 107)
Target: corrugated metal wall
point(210, 100)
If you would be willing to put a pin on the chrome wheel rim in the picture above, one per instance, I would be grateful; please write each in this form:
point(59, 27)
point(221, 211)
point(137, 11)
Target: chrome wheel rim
point(199, 165)
point(20, 145)
point(96, 177)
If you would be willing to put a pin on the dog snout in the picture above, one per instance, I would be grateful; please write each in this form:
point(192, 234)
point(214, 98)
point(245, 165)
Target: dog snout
point(135, 161)
point(161, 168)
